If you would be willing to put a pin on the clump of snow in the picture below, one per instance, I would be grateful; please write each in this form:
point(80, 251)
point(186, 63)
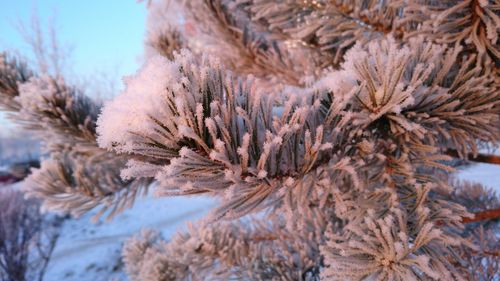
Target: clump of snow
point(129, 111)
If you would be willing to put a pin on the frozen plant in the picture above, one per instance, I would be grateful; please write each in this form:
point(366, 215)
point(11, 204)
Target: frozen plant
point(326, 129)
point(27, 238)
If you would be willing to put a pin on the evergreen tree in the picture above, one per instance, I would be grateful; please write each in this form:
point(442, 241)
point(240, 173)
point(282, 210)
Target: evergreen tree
point(329, 130)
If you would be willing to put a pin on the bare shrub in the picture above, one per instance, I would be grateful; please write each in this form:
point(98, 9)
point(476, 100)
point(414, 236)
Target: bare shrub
point(27, 238)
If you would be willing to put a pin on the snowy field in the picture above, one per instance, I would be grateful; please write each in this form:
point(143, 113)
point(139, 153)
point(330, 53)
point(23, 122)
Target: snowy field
point(91, 251)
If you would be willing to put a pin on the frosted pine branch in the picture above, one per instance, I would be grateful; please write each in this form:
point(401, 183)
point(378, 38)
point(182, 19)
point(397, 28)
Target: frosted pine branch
point(12, 72)
point(198, 140)
point(225, 251)
point(168, 42)
point(334, 122)
point(331, 26)
point(473, 23)
point(210, 123)
point(246, 45)
point(79, 176)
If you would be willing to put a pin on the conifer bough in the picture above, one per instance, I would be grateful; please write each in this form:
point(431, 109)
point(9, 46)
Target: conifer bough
point(337, 123)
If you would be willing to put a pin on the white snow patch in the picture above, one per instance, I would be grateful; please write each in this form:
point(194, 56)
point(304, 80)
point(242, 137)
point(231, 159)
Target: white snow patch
point(88, 251)
point(128, 112)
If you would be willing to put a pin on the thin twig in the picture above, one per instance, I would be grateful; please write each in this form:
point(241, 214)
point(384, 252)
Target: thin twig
point(483, 215)
point(490, 253)
point(480, 157)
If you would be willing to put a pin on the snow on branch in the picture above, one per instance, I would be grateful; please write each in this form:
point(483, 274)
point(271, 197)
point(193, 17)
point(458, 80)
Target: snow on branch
point(168, 42)
point(331, 26)
point(78, 176)
point(224, 251)
point(247, 46)
point(209, 132)
point(418, 96)
point(472, 23)
point(402, 234)
point(52, 108)
point(12, 72)
point(76, 184)
point(334, 122)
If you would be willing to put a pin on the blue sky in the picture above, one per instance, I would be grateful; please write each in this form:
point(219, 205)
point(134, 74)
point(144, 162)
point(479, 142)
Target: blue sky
point(104, 33)
point(106, 36)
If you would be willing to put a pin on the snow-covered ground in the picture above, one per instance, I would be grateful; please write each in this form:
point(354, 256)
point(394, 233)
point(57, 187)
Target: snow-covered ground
point(487, 174)
point(89, 251)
